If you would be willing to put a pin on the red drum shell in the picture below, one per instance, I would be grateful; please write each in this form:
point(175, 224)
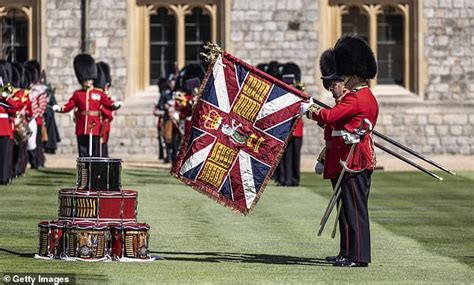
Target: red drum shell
point(116, 206)
point(51, 239)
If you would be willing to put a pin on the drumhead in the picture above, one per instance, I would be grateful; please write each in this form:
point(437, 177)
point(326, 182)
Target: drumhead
point(85, 225)
point(51, 224)
point(98, 159)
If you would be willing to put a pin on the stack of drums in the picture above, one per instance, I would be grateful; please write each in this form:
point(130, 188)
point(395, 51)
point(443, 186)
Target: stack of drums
point(97, 220)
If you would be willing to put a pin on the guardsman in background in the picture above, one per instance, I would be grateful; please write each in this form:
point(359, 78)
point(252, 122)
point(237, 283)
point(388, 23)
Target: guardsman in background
point(7, 110)
point(22, 121)
point(104, 83)
point(162, 111)
point(51, 144)
point(355, 64)
point(39, 99)
point(87, 103)
point(290, 163)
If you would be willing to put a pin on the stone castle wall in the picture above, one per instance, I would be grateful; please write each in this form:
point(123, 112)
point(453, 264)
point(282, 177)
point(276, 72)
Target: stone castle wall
point(262, 31)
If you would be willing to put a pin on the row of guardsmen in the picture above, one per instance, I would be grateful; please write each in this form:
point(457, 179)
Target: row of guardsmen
point(26, 106)
point(178, 94)
point(27, 126)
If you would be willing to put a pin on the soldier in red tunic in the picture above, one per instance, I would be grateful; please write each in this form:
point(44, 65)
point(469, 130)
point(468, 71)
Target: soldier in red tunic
point(355, 65)
point(8, 108)
point(289, 166)
point(87, 103)
point(103, 83)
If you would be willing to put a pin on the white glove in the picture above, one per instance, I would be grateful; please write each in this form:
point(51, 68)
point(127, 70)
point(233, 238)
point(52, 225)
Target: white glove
point(57, 108)
point(319, 168)
point(4, 94)
point(304, 107)
point(118, 104)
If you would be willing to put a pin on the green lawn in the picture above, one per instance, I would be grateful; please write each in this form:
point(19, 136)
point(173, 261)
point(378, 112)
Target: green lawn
point(422, 231)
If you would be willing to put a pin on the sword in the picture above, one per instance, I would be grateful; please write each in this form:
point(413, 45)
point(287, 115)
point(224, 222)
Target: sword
point(403, 147)
point(337, 188)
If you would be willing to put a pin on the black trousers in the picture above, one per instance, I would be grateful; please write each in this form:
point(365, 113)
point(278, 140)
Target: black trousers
point(5, 167)
point(288, 170)
point(83, 145)
point(354, 225)
point(40, 159)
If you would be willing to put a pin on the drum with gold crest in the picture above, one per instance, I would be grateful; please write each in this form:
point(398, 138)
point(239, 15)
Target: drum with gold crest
point(129, 240)
point(86, 240)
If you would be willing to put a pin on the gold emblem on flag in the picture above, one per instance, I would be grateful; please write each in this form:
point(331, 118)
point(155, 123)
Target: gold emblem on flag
point(218, 163)
point(212, 120)
point(251, 98)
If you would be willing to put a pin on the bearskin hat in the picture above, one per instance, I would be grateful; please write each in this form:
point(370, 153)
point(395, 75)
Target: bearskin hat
point(16, 75)
point(354, 57)
point(5, 71)
point(85, 67)
point(291, 73)
point(263, 67)
point(327, 65)
point(274, 69)
point(21, 72)
point(106, 69)
point(101, 79)
point(190, 77)
point(34, 68)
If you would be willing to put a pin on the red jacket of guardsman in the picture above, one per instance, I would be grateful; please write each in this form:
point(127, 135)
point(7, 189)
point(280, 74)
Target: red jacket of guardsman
point(5, 114)
point(87, 104)
point(107, 117)
point(298, 130)
point(356, 106)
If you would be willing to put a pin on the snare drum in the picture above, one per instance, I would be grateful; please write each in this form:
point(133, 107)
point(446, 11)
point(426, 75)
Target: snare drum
point(98, 173)
point(129, 240)
point(113, 206)
point(51, 240)
point(86, 240)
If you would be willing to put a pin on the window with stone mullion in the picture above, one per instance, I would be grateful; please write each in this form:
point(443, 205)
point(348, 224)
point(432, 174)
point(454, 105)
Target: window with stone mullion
point(14, 36)
point(198, 32)
point(162, 45)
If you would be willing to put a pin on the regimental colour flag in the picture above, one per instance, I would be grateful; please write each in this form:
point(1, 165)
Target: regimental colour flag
point(240, 127)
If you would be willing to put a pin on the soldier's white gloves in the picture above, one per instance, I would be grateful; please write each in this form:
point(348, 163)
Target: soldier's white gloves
point(319, 168)
point(305, 107)
point(4, 94)
point(117, 105)
point(57, 108)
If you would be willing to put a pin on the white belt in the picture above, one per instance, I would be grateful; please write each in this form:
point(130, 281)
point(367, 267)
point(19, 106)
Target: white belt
point(3, 116)
point(349, 138)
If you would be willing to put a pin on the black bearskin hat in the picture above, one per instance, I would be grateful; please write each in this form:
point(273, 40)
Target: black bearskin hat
point(263, 67)
point(101, 79)
point(291, 73)
point(106, 69)
point(5, 71)
point(327, 65)
point(34, 68)
point(274, 69)
point(190, 77)
point(21, 72)
point(85, 67)
point(16, 75)
point(354, 57)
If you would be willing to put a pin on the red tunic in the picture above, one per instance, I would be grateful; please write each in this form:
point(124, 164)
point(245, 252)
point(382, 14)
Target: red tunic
point(5, 117)
point(107, 117)
point(347, 115)
point(88, 106)
point(298, 131)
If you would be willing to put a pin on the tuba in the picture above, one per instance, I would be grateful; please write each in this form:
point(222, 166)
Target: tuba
point(22, 130)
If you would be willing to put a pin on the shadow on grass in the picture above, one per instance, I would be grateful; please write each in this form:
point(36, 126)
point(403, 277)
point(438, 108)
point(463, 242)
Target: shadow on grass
point(213, 257)
point(19, 254)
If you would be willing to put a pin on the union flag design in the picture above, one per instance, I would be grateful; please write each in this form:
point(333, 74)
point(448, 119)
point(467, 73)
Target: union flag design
point(240, 127)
